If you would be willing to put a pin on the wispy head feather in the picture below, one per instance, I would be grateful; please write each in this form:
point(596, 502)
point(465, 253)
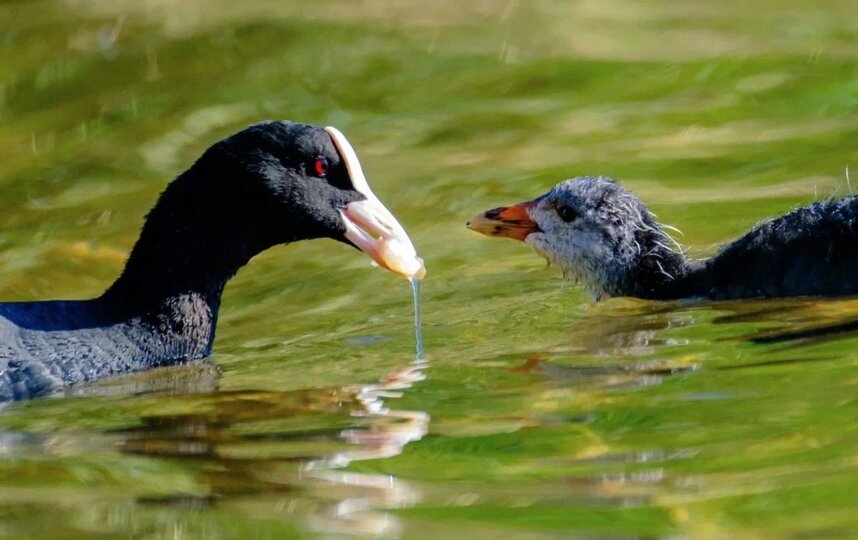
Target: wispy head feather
point(609, 242)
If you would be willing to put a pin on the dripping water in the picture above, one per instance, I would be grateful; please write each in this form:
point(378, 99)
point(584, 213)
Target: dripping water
point(418, 325)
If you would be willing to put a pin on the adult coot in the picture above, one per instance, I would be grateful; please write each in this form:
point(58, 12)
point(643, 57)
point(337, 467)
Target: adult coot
point(273, 183)
point(602, 236)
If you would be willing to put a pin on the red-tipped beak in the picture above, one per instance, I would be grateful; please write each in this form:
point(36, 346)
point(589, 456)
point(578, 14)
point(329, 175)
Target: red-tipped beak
point(509, 221)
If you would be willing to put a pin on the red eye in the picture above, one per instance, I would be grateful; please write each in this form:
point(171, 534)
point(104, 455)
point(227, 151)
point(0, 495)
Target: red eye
point(321, 166)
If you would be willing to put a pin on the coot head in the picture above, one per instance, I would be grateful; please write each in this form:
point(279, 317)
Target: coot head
point(284, 181)
point(594, 230)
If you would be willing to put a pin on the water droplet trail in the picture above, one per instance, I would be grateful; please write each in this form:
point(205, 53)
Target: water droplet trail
point(418, 325)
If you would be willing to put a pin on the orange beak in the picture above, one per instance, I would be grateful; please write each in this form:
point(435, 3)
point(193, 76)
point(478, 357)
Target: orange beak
point(509, 221)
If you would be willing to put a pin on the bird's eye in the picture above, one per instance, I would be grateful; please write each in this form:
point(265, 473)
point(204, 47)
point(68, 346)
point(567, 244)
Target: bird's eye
point(321, 166)
point(567, 213)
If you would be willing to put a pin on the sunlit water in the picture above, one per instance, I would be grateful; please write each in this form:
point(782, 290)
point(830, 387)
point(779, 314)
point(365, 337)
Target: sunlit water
point(542, 415)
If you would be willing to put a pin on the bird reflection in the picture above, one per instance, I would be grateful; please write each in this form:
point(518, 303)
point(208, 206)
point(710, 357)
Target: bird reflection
point(616, 345)
point(799, 322)
point(629, 328)
point(287, 448)
point(377, 440)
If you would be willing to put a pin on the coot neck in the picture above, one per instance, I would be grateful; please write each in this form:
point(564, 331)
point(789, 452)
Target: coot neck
point(661, 270)
point(193, 241)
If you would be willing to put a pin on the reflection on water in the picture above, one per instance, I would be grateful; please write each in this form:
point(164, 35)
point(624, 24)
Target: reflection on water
point(259, 445)
point(352, 503)
point(804, 321)
point(194, 378)
point(629, 328)
point(387, 433)
point(603, 375)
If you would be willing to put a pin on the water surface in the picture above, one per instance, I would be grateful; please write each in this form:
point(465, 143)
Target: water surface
point(535, 413)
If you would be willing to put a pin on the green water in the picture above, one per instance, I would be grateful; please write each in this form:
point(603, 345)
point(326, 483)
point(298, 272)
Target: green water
point(535, 413)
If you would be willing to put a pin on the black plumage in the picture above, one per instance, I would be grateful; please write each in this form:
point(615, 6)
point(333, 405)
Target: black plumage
point(812, 250)
point(251, 191)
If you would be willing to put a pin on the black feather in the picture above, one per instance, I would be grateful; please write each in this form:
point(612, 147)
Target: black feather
point(242, 196)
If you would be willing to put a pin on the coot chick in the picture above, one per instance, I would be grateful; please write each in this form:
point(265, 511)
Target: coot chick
point(273, 183)
point(602, 236)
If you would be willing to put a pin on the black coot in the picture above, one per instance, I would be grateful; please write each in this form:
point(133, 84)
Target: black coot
point(273, 183)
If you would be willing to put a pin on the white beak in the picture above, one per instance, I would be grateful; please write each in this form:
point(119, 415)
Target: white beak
point(370, 226)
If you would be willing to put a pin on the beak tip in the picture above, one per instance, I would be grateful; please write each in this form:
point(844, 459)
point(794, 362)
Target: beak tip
point(476, 220)
point(509, 221)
